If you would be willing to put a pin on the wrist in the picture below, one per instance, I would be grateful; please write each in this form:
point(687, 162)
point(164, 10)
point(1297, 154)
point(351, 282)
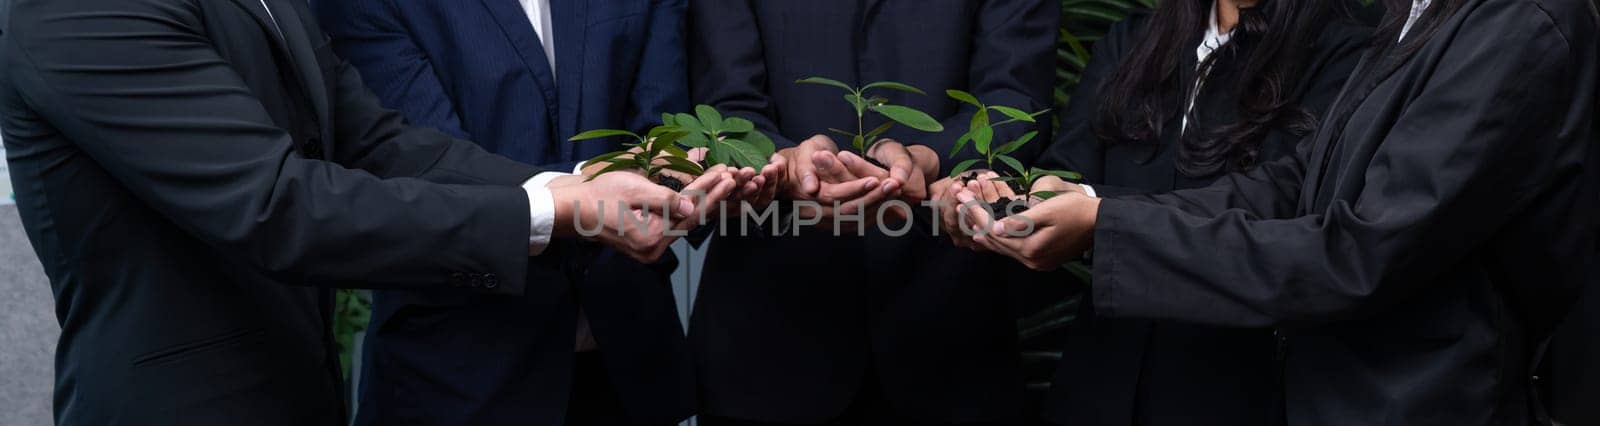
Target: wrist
point(565, 209)
point(926, 160)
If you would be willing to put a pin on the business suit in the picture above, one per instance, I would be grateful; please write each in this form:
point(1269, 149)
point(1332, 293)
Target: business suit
point(478, 70)
point(1414, 254)
point(1124, 371)
point(874, 333)
point(193, 177)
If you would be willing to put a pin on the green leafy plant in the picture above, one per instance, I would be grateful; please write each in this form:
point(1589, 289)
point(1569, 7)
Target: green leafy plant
point(733, 142)
point(730, 141)
point(863, 101)
point(651, 153)
point(980, 134)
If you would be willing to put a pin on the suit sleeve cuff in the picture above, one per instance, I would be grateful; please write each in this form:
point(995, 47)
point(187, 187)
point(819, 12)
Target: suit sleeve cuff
point(542, 210)
point(1089, 190)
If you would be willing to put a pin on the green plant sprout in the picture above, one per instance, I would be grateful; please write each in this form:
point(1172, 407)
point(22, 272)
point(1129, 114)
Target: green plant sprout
point(863, 139)
point(733, 142)
point(980, 133)
point(651, 152)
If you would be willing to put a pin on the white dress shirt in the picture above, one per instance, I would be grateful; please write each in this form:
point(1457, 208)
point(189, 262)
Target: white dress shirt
point(1417, 7)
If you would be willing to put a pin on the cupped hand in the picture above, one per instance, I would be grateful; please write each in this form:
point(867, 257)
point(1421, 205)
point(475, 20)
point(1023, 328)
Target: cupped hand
point(1048, 235)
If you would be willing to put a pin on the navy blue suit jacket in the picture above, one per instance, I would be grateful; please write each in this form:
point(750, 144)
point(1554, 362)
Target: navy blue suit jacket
point(476, 69)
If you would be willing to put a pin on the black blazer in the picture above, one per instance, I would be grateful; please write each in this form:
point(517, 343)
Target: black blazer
point(787, 329)
point(193, 182)
point(1127, 371)
point(622, 64)
point(1412, 256)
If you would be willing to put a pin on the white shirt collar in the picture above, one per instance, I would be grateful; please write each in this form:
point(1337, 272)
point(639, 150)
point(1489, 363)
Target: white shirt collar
point(1214, 39)
point(1417, 7)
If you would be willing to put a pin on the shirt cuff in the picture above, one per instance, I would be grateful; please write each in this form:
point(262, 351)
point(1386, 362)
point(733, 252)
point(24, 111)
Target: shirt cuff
point(1089, 190)
point(578, 169)
point(542, 209)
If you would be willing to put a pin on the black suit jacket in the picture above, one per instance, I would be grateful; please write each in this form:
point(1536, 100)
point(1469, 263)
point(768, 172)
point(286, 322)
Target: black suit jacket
point(193, 182)
point(788, 328)
point(1125, 371)
point(622, 64)
point(1413, 255)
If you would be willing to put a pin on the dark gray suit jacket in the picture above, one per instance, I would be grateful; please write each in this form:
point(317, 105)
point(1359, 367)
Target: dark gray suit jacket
point(193, 182)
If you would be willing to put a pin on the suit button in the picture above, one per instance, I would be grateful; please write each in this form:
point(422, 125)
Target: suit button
point(490, 281)
point(312, 148)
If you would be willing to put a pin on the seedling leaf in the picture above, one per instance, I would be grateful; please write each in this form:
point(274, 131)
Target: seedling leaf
point(964, 97)
point(909, 117)
point(602, 133)
point(963, 166)
point(1013, 163)
point(737, 125)
point(825, 82)
point(1015, 114)
point(894, 86)
point(1017, 144)
point(710, 119)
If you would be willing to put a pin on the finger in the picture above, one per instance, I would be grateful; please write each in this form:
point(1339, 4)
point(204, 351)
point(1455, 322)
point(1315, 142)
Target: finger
point(861, 167)
point(894, 154)
point(986, 183)
point(848, 191)
point(829, 169)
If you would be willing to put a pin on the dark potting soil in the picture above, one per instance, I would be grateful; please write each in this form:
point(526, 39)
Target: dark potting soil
point(670, 182)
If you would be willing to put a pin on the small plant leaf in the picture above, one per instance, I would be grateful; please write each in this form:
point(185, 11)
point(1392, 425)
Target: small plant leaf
point(737, 125)
point(667, 139)
point(1013, 163)
point(856, 101)
point(668, 120)
point(614, 167)
point(710, 119)
point(1017, 144)
point(688, 122)
point(825, 82)
point(909, 117)
point(683, 165)
point(607, 157)
point(873, 135)
point(857, 142)
point(762, 143)
point(891, 85)
point(960, 144)
point(675, 151)
point(719, 155)
point(963, 166)
point(982, 137)
point(746, 154)
point(695, 140)
point(602, 133)
point(1043, 195)
point(1015, 114)
point(964, 97)
point(1003, 179)
point(1062, 174)
point(841, 132)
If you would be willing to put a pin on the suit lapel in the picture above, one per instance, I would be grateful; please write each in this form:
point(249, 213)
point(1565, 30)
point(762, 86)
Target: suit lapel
point(274, 33)
point(519, 32)
point(572, 23)
point(303, 54)
point(571, 28)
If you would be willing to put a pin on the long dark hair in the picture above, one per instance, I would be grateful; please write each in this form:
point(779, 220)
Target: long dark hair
point(1146, 91)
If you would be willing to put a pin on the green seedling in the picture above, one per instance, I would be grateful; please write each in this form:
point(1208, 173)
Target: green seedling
point(731, 141)
point(980, 133)
point(651, 153)
point(862, 101)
